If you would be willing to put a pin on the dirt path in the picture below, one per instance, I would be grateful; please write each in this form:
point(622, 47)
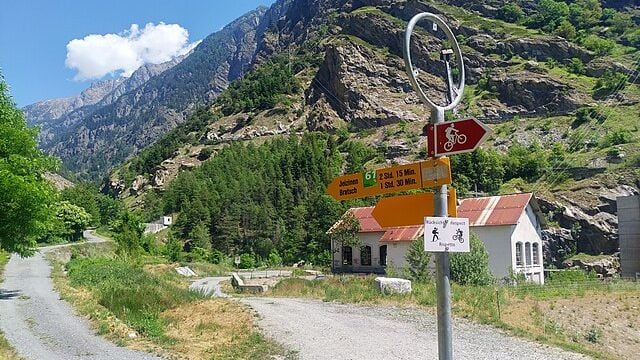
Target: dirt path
point(41, 326)
point(320, 330)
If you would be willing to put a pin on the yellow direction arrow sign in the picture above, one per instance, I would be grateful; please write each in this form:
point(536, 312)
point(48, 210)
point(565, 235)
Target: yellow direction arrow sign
point(406, 210)
point(418, 175)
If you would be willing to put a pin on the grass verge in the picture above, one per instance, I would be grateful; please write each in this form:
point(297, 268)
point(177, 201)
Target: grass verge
point(6, 351)
point(123, 298)
point(532, 311)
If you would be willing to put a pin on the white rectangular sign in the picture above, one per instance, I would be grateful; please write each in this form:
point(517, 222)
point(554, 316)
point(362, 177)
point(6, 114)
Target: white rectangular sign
point(446, 234)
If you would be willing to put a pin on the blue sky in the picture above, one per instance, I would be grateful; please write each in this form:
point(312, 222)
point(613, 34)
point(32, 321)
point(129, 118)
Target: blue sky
point(34, 35)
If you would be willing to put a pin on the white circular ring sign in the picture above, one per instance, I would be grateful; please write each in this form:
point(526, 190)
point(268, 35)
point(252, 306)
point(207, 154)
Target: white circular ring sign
point(410, 71)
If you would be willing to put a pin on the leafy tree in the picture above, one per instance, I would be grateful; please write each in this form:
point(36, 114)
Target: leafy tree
point(418, 261)
point(128, 236)
point(528, 163)
point(345, 233)
point(173, 248)
point(620, 22)
point(511, 12)
point(585, 14)
point(566, 30)
point(549, 15)
point(74, 220)
point(25, 195)
point(102, 208)
point(598, 45)
point(472, 268)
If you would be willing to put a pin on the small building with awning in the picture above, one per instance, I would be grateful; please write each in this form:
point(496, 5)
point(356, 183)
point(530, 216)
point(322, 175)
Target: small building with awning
point(508, 225)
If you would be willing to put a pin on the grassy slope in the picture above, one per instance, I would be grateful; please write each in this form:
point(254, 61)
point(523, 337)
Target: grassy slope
point(6, 351)
point(175, 324)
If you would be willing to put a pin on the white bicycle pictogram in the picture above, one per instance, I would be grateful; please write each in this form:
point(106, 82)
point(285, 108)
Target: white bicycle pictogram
point(458, 139)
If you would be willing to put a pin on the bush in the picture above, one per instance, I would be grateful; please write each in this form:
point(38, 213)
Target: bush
point(472, 268)
point(609, 83)
point(576, 66)
point(511, 12)
point(418, 261)
point(598, 45)
point(615, 138)
point(566, 30)
point(247, 261)
point(584, 115)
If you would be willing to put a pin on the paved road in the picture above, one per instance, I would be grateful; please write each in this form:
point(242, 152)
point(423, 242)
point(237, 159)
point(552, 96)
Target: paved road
point(41, 326)
point(320, 330)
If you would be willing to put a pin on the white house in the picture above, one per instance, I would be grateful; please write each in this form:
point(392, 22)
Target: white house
point(508, 225)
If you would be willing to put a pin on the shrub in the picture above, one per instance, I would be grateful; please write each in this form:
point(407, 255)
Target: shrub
point(511, 12)
point(566, 30)
point(615, 138)
point(247, 261)
point(576, 66)
point(472, 268)
point(609, 83)
point(598, 45)
point(418, 261)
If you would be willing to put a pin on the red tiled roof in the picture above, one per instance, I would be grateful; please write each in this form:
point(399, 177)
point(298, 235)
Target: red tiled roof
point(367, 222)
point(404, 233)
point(483, 211)
point(494, 210)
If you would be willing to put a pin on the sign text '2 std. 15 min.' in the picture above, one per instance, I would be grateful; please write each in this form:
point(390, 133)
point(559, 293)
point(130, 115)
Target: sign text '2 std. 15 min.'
point(390, 180)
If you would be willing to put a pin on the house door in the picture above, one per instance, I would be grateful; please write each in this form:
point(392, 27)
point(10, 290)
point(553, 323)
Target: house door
point(383, 255)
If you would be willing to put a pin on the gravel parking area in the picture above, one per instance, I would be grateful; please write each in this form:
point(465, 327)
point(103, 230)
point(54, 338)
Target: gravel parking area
point(320, 330)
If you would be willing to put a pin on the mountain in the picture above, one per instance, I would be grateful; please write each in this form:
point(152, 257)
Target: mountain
point(560, 90)
point(92, 139)
point(48, 111)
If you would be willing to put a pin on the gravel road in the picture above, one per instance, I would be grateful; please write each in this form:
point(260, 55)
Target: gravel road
point(41, 326)
point(319, 330)
point(210, 286)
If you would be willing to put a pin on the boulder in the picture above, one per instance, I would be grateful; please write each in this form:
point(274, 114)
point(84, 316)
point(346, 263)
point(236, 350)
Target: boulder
point(393, 285)
point(603, 266)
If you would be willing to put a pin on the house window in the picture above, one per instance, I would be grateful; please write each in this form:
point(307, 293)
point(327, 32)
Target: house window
point(383, 255)
point(536, 254)
point(519, 254)
point(527, 253)
point(347, 255)
point(365, 256)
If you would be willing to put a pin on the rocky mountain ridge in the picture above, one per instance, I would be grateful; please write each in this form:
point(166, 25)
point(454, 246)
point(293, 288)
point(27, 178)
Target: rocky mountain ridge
point(354, 84)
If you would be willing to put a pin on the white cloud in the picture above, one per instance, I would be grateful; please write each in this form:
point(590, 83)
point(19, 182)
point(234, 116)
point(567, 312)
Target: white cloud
point(95, 56)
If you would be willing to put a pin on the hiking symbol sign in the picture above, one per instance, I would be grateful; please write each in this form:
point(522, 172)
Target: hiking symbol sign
point(446, 234)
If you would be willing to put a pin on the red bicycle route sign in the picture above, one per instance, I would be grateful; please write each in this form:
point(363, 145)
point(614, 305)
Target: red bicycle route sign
point(455, 137)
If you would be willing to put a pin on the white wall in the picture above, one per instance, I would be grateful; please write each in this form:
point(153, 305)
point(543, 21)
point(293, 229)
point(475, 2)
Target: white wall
point(396, 252)
point(497, 240)
point(369, 238)
point(528, 230)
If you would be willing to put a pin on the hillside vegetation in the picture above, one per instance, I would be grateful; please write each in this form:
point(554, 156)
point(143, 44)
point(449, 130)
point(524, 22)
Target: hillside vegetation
point(556, 81)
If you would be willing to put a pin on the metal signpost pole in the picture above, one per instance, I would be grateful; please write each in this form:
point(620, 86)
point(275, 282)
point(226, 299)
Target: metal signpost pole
point(443, 287)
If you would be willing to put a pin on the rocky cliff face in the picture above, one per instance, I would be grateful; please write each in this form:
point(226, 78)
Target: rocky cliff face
point(56, 117)
point(48, 111)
